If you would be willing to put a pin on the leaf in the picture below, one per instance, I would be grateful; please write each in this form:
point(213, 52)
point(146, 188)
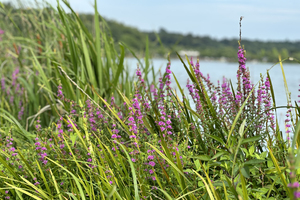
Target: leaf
point(251, 150)
point(284, 80)
point(245, 151)
point(112, 191)
point(253, 162)
point(245, 172)
point(24, 191)
point(283, 179)
point(242, 127)
point(168, 197)
point(98, 46)
point(43, 177)
point(6, 115)
point(136, 191)
point(216, 138)
point(202, 157)
point(88, 65)
point(77, 181)
point(251, 139)
point(206, 186)
point(220, 153)
point(244, 188)
point(120, 66)
point(225, 191)
point(55, 185)
point(232, 188)
point(37, 189)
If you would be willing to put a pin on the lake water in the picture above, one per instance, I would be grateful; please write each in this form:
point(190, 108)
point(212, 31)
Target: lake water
point(217, 70)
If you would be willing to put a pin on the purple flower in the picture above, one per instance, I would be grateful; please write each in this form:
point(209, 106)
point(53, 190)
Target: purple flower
point(114, 136)
point(59, 92)
point(293, 185)
point(14, 76)
point(151, 157)
point(152, 163)
point(21, 112)
point(297, 194)
point(168, 71)
point(161, 123)
point(12, 149)
point(43, 155)
point(37, 144)
point(138, 72)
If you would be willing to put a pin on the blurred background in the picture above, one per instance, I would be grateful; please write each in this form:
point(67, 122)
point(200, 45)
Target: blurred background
point(207, 30)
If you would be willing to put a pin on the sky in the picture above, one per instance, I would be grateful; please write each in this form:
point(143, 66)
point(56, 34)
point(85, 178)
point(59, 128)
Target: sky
point(265, 20)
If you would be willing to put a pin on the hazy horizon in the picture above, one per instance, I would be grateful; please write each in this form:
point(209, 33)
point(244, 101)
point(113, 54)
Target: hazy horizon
point(263, 20)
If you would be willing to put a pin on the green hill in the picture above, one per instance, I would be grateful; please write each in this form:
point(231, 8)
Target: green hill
point(207, 46)
point(164, 42)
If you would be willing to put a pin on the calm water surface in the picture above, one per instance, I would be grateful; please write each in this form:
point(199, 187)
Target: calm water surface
point(217, 70)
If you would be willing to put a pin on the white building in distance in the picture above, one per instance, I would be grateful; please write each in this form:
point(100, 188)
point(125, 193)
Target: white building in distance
point(189, 53)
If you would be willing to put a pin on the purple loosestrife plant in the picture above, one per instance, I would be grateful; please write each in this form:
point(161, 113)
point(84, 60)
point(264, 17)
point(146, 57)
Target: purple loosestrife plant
point(227, 102)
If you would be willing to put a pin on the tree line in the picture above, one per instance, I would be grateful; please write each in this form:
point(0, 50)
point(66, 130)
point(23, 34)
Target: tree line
point(164, 42)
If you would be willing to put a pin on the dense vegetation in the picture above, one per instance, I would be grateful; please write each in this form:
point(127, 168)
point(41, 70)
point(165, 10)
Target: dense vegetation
point(163, 42)
point(75, 125)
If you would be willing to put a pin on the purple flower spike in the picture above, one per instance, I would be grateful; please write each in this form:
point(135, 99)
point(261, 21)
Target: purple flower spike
point(59, 92)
